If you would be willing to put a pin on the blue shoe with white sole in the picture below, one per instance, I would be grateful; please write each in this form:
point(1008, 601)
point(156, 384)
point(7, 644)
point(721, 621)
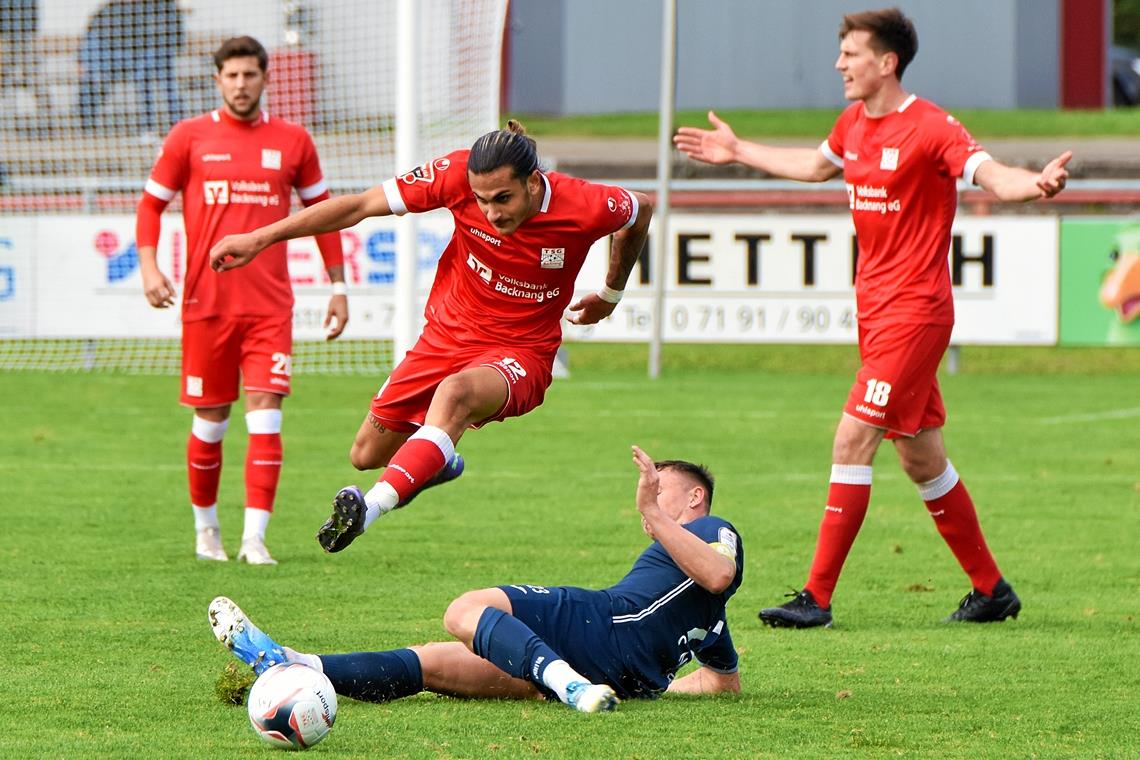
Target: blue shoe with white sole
point(238, 634)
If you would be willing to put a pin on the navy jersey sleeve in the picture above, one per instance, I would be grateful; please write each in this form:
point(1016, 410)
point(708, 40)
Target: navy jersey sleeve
point(720, 654)
point(722, 536)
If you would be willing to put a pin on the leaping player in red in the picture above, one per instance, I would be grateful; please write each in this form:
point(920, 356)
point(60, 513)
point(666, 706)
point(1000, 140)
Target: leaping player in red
point(900, 157)
point(493, 315)
point(236, 168)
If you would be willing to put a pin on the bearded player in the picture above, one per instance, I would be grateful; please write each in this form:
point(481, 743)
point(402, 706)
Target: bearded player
point(235, 167)
point(900, 157)
point(494, 312)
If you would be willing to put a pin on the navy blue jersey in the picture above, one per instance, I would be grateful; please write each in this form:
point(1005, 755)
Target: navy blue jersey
point(662, 618)
point(637, 634)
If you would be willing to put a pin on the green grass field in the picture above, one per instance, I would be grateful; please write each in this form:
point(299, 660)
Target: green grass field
point(107, 652)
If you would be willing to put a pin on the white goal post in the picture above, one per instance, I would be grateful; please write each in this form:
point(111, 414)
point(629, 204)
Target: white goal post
point(382, 85)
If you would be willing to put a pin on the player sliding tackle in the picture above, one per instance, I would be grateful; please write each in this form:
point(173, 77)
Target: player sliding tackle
point(587, 648)
point(493, 316)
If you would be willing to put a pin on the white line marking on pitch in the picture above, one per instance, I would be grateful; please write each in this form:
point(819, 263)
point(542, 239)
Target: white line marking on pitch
point(1112, 414)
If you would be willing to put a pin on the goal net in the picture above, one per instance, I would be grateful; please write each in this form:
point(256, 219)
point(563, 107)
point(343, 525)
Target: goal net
point(88, 89)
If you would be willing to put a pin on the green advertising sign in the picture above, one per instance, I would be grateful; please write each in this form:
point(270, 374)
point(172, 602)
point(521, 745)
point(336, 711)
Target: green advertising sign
point(1100, 282)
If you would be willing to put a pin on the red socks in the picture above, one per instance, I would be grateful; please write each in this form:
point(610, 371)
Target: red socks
point(847, 500)
point(204, 468)
point(417, 461)
point(262, 470)
point(950, 505)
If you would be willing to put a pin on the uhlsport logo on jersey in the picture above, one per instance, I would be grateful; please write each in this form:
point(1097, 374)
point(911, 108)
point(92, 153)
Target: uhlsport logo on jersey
point(216, 192)
point(552, 258)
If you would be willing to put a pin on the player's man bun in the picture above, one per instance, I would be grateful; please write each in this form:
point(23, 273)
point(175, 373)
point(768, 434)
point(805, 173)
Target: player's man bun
point(504, 147)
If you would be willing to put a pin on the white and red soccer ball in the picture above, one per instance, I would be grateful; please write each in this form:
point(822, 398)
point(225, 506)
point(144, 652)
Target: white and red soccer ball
point(292, 706)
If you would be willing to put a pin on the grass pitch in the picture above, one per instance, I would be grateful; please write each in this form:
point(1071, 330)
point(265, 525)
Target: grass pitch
point(107, 651)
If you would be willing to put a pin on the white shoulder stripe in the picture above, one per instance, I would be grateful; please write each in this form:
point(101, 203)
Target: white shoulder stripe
point(159, 191)
point(633, 618)
point(546, 195)
point(313, 190)
point(830, 155)
point(395, 200)
point(972, 164)
point(215, 115)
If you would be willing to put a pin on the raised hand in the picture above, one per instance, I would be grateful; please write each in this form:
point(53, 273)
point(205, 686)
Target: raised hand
point(1054, 175)
point(713, 146)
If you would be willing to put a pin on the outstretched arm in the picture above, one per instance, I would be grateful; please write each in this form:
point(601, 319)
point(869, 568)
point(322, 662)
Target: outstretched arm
point(327, 216)
point(1010, 183)
point(705, 680)
point(720, 145)
point(624, 250)
point(710, 569)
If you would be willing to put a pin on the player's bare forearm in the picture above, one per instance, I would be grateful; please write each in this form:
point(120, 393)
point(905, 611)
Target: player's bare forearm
point(327, 216)
point(628, 243)
point(706, 681)
point(625, 248)
point(720, 145)
point(708, 568)
point(1016, 185)
point(803, 164)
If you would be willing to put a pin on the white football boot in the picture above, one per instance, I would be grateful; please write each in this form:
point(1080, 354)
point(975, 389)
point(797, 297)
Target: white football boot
point(208, 545)
point(253, 552)
point(588, 697)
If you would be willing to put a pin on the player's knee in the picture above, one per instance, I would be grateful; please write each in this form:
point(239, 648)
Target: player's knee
point(462, 616)
point(922, 470)
point(364, 457)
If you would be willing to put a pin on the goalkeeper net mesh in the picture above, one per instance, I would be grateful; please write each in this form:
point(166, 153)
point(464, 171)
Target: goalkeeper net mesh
point(88, 90)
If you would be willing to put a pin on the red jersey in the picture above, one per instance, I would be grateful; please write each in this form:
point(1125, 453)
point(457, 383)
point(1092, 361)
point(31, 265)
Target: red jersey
point(235, 176)
point(493, 289)
point(900, 171)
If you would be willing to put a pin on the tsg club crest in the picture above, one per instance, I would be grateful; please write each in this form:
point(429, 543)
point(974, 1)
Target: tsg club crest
point(890, 159)
point(552, 258)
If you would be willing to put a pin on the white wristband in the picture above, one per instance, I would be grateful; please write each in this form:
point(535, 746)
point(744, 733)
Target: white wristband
point(609, 295)
point(340, 288)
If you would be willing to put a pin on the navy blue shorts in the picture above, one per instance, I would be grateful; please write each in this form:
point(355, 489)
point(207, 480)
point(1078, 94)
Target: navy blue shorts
point(577, 623)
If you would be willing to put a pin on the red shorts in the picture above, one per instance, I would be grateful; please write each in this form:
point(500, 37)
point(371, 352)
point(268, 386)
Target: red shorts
point(403, 401)
point(896, 389)
point(218, 352)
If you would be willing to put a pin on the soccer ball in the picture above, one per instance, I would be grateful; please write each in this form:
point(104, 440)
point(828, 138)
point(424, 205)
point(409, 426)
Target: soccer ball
point(292, 706)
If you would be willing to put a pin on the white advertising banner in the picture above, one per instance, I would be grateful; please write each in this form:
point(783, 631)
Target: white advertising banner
point(89, 283)
point(17, 277)
point(788, 279)
point(730, 278)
